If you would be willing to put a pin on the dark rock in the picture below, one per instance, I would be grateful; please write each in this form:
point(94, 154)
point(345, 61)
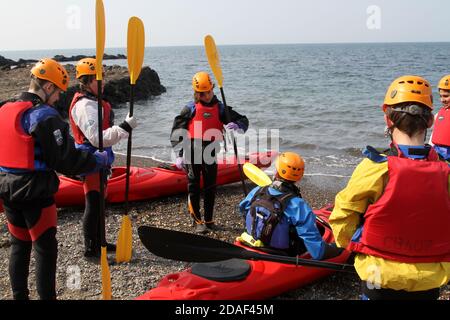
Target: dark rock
point(61, 58)
point(7, 64)
point(117, 87)
point(118, 91)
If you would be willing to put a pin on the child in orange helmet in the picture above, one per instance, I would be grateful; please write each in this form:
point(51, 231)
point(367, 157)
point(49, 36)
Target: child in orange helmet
point(394, 212)
point(36, 143)
point(277, 217)
point(83, 117)
point(200, 127)
point(441, 132)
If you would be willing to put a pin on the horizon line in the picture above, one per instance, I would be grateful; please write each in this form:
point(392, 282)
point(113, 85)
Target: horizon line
point(242, 44)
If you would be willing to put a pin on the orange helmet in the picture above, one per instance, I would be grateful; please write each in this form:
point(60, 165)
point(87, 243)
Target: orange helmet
point(202, 82)
point(409, 89)
point(52, 71)
point(444, 84)
point(290, 166)
point(86, 67)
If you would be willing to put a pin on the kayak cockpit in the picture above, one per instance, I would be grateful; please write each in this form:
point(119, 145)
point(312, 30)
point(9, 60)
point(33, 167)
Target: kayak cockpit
point(223, 271)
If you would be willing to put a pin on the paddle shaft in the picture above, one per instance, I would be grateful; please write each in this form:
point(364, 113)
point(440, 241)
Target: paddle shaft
point(301, 262)
point(102, 171)
point(251, 255)
point(228, 117)
point(130, 137)
point(188, 247)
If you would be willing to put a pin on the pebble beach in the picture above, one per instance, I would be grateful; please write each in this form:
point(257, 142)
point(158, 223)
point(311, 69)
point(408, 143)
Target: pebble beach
point(131, 280)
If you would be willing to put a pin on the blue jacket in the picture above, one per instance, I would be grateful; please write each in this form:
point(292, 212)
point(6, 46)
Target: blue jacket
point(443, 151)
point(298, 214)
point(54, 151)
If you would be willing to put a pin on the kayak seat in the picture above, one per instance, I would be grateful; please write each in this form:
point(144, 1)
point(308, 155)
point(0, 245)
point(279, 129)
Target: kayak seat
point(222, 271)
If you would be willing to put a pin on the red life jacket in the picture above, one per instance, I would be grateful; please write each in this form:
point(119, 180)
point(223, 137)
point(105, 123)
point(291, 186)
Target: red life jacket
point(410, 222)
point(77, 133)
point(441, 131)
point(17, 147)
point(206, 124)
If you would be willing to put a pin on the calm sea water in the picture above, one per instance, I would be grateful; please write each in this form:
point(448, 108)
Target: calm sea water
point(324, 99)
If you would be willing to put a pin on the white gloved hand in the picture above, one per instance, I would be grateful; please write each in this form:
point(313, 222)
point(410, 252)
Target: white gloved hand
point(131, 121)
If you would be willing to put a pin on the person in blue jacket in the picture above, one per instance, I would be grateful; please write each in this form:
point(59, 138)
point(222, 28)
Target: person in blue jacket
point(277, 217)
point(36, 143)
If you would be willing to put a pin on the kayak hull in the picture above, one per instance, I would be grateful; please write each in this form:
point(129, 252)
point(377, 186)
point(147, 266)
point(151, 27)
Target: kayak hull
point(265, 280)
point(151, 183)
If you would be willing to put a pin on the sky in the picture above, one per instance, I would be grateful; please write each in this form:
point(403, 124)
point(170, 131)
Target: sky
point(68, 24)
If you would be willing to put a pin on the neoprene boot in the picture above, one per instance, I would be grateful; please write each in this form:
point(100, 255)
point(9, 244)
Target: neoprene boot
point(91, 249)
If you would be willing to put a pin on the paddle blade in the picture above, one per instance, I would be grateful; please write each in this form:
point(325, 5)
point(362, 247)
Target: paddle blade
point(125, 241)
point(187, 247)
point(213, 59)
point(135, 48)
point(256, 175)
point(106, 276)
point(100, 37)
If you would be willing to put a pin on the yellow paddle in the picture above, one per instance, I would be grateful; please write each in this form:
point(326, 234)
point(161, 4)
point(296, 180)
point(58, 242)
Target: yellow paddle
point(256, 175)
point(100, 36)
point(136, 48)
point(214, 62)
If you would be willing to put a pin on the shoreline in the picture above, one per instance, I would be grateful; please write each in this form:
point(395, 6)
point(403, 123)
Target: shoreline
point(145, 270)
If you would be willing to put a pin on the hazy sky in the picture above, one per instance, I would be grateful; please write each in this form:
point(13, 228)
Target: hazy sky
point(66, 24)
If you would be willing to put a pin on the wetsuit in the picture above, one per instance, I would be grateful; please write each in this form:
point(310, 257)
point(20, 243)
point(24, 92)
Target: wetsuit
point(197, 147)
point(28, 190)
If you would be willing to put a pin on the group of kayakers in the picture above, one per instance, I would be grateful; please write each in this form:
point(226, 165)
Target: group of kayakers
point(394, 213)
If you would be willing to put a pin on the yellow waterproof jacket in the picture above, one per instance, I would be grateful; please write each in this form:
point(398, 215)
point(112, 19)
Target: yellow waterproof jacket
point(365, 187)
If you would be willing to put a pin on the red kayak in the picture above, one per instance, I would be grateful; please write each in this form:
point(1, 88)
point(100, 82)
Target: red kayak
point(151, 183)
point(243, 279)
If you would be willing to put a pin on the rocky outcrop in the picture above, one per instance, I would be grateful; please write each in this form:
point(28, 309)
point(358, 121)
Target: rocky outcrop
point(6, 64)
point(61, 58)
point(117, 85)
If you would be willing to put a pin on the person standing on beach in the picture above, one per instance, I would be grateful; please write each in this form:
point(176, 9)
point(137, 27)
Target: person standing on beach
point(200, 127)
point(277, 217)
point(441, 131)
point(83, 117)
point(394, 212)
point(36, 143)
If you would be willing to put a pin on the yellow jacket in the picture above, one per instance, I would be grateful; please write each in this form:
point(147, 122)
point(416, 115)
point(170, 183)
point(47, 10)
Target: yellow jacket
point(364, 188)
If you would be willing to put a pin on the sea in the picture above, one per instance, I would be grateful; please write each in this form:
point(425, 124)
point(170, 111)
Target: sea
point(320, 100)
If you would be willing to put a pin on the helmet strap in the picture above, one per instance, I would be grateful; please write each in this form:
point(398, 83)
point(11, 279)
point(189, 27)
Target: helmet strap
point(41, 88)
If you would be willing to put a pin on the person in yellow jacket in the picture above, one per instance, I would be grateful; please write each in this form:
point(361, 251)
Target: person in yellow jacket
point(394, 213)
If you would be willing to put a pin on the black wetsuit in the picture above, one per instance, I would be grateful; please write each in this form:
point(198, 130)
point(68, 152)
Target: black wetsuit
point(196, 169)
point(28, 198)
